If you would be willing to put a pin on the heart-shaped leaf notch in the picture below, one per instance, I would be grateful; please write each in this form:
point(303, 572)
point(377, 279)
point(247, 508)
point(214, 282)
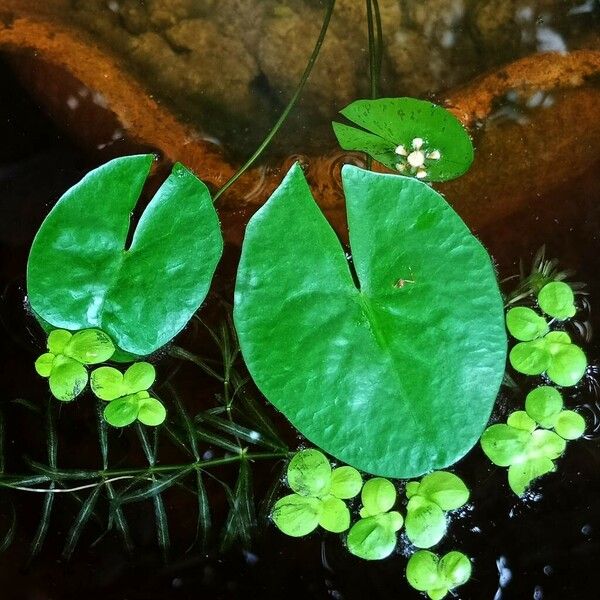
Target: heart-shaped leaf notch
point(80, 275)
point(396, 377)
point(414, 137)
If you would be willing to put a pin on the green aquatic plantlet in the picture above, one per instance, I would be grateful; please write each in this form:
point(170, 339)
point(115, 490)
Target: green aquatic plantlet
point(373, 536)
point(527, 451)
point(563, 362)
point(68, 353)
point(333, 354)
point(81, 273)
point(557, 300)
point(525, 324)
point(414, 137)
point(437, 492)
point(319, 494)
point(426, 572)
point(127, 395)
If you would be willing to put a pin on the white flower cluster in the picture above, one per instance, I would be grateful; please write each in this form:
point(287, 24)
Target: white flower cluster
point(415, 161)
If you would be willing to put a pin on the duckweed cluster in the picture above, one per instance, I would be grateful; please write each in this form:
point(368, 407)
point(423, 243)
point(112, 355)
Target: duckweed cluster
point(127, 393)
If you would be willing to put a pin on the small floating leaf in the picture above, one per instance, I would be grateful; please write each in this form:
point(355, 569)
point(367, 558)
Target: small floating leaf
point(335, 516)
point(81, 275)
point(43, 365)
point(530, 358)
point(391, 126)
point(122, 411)
point(543, 404)
point(557, 300)
point(545, 444)
point(151, 412)
point(504, 445)
point(378, 496)
point(525, 324)
point(107, 383)
point(309, 473)
point(422, 571)
point(425, 522)
point(569, 425)
point(333, 356)
point(296, 515)
point(447, 490)
point(521, 475)
point(568, 365)
point(346, 482)
point(138, 377)
point(374, 538)
point(89, 347)
point(521, 420)
point(455, 568)
point(58, 339)
point(67, 379)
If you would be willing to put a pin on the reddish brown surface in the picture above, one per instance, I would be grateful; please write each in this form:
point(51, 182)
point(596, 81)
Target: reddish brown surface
point(54, 61)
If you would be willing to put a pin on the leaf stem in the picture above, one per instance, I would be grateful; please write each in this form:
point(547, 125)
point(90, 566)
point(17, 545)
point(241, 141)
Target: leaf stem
point(111, 475)
point(288, 109)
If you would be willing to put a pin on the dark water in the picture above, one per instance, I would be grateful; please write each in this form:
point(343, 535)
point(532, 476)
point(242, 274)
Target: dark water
point(545, 546)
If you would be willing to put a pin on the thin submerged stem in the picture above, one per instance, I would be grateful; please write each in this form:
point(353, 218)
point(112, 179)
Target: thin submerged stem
point(375, 52)
point(288, 109)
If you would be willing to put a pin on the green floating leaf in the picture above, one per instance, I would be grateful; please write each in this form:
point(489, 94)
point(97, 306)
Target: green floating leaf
point(525, 324)
point(543, 404)
point(296, 515)
point(505, 445)
point(422, 571)
point(109, 383)
point(378, 496)
point(425, 572)
point(374, 538)
point(425, 522)
point(333, 357)
point(67, 379)
point(447, 490)
point(122, 411)
point(569, 425)
point(43, 365)
point(346, 482)
point(521, 475)
point(412, 136)
point(521, 420)
point(335, 516)
point(89, 347)
point(455, 568)
point(568, 364)
point(530, 358)
point(58, 340)
point(151, 412)
point(564, 363)
point(81, 275)
point(309, 473)
point(557, 300)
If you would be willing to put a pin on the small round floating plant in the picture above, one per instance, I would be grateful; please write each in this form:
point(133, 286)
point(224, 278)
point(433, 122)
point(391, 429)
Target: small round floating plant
point(426, 572)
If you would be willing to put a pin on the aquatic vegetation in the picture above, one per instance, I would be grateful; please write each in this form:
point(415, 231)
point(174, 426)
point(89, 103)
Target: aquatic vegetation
point(373, 536)
point(319, 494)
point(541, 350)
point(426, 572)
point(557, 300)
point(414, 137)
point(428, 500)
point(140, 294)
point(528, 451)
point(64, 363)
point(333, 354)
point(127, 394)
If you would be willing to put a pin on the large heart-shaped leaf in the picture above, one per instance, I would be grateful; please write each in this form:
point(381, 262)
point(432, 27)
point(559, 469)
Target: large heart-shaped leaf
point(397, 374)
point(81, 275)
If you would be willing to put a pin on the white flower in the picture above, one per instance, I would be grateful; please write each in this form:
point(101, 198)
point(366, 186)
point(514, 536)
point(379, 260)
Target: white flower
point(415, 161)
